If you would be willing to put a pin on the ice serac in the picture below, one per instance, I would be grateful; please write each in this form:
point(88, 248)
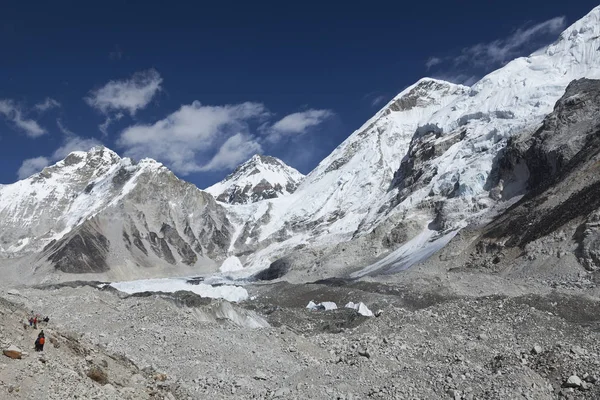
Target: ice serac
point(260, 178)
point(427, 158)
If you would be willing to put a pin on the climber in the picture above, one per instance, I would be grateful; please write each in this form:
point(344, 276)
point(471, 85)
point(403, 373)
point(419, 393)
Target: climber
point(40, 341)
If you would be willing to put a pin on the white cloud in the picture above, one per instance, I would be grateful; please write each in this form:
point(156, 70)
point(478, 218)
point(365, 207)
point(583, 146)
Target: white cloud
point(129, 95)
point(432, 62)
point(295, 124)
point(47, 105)
point(103, 127)
point(300, 122)
point(32, 166)
point(191, 133)
point(13, 113)
point(502, 50)
point(63, 128)
point(237, 149)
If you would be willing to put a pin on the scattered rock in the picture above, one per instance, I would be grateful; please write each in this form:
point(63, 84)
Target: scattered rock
point(97, 374)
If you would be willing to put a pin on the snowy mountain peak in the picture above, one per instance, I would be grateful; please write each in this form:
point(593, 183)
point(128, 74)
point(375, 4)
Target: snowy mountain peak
point(259, 178)
point(423, 93)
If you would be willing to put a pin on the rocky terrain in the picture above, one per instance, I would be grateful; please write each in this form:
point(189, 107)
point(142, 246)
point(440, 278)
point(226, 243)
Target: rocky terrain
point(433, 339)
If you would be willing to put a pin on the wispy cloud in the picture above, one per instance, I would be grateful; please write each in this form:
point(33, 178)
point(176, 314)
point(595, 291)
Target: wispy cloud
point(63, 128)
point(13, 113)
point(378, 100)
point(46, 105)
point(103, 127)
point(295, 124)
point(501, 51)
point(191, 134)
point(433, 61)
point(476, 60)
point(70, 144)
point(301, 121)
point(128, 95)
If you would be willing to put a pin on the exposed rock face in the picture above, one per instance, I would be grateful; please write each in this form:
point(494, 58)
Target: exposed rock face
point(563, 134)
point(84, 250)
point(260, 178)
point(588, 251)
point(562, 160)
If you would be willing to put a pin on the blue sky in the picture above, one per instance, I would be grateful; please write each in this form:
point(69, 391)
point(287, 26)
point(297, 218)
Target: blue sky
point(202, 86)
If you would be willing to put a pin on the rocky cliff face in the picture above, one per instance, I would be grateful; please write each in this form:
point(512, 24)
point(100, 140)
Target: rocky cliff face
point(561, 166)
point(260, 178)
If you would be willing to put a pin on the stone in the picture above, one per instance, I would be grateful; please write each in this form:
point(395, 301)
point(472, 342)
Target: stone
point(364, 353)
point(260, 376)
point(578, 350)
point(13, 352)
point(482, 336)
point(160, 377)
point(98, 375)
point(537, 349)
point(572, 382)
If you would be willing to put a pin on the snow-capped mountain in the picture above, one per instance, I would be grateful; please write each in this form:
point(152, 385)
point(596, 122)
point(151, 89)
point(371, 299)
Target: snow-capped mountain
point(260, 178)
point(94, 211)
point(425, 160)
point(395, 190)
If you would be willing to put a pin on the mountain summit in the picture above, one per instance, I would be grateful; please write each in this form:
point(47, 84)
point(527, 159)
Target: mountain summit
point(260, 178)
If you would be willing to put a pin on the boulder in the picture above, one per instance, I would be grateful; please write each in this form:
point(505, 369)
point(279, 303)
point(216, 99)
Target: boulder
point(573, 382)
point(13, 352)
